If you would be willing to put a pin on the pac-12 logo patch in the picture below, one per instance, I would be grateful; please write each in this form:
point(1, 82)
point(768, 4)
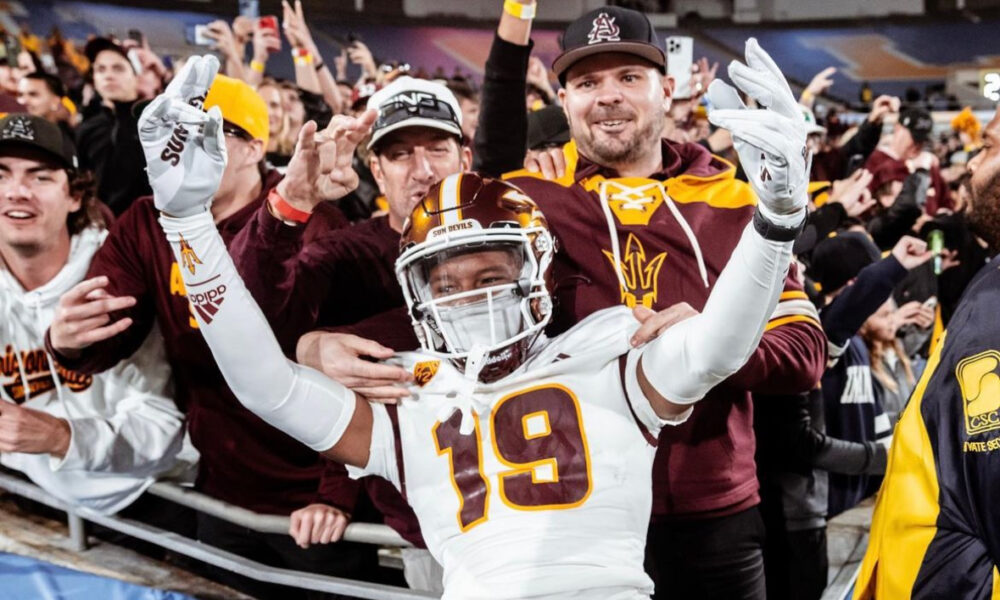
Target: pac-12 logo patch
point(979, 380)
point(424, 371)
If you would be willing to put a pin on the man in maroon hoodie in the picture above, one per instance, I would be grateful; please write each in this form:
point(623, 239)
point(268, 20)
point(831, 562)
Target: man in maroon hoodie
point(244, 461)
point(897, 160)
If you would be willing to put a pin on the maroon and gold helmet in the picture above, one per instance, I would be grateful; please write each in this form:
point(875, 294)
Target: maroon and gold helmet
point(474, 264)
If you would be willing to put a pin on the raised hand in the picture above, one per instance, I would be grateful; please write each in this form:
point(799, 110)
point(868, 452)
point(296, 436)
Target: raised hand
point(702, 76)
point(295, 27)
point(820, 82)
point(83, 316)
point(911, 252)
point(321, 167)
point(184, 146)
point(359, 54)
point(882, 106)
point(225, 40)
point(853, 194)
point(771, 141)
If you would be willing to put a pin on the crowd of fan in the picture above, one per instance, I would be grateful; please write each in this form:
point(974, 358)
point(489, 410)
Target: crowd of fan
point(883, 184)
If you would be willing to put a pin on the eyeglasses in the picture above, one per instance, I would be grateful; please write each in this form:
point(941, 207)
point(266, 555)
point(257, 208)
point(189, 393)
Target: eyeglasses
point(236, 132)
point(414, 105)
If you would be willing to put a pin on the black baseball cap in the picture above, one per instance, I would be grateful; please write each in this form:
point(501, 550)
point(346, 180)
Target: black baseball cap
point(21, 130)
point(100, 44)
point(919, 122)
point(839, 259)
point(547, 127)
point(609, 29)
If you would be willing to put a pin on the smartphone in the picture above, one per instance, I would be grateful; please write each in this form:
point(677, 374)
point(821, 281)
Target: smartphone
point(135, 35)
point(133, 57)
point(271, 22)
point(680, 50)
point(250, 9)
point(931, 303)
point(195, 35)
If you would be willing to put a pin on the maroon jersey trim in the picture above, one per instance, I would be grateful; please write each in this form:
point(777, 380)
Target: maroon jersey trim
point(650, 438)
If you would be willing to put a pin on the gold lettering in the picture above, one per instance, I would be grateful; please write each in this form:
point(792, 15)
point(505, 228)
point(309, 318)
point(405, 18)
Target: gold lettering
point(177, 289)
point(176, 281)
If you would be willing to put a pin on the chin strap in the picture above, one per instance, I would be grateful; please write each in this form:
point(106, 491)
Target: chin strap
point(465, 398)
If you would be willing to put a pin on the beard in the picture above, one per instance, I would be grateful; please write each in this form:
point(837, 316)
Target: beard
point(984, 210)
point(612, 151)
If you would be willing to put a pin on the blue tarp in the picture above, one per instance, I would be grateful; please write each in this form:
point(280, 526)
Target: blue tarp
point(23, 578)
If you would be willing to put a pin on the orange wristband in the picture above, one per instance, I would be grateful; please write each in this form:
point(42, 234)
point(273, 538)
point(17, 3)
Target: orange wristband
point(285, 210)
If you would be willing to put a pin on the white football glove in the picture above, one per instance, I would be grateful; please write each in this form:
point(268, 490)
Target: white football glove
point(184, 145)
point(771, 142)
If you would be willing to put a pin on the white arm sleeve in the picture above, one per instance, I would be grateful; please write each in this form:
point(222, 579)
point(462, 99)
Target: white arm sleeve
point(695, 355)
point(382, 453)
point(302, 402)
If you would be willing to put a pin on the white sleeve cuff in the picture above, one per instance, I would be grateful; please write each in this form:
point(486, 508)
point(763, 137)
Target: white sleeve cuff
point(382, 453)
point(84, 434)
point(641, 407)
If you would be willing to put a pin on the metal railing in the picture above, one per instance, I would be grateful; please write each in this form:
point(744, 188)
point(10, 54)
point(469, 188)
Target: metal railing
point(356, 532)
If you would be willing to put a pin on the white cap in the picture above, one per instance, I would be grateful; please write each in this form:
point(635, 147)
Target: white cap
point(810, 118)
point(409, 102)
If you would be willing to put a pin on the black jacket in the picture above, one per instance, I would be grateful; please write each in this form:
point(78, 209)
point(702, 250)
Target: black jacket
point(108, 144)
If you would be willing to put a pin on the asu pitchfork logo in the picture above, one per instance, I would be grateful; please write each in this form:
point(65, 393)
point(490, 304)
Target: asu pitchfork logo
point(188, 258)
point(640, 277)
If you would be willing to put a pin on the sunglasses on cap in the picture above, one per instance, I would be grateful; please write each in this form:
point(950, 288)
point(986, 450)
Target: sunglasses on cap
point(426, 106)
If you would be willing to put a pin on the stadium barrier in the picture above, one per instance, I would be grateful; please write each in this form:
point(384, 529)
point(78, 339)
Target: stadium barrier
point(367, 533)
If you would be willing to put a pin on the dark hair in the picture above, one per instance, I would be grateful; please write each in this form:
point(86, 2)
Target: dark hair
point(35, 60)
point(52, 82)
point(463, 88)
point(83, 187)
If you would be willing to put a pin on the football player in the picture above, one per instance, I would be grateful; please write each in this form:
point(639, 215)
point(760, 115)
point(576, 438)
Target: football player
point(526, 459)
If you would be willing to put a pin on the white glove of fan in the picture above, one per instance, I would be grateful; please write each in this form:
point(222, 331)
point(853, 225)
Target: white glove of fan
point(184, 145)
point(771, 142)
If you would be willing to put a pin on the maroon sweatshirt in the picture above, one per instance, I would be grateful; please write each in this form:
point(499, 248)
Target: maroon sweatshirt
point(885, 168)
point(244, 461)
point(340, 280)
point(337, 277)
point(704, 467)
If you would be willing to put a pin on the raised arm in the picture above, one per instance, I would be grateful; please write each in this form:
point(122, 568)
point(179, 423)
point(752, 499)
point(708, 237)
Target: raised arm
point(685, 362)
point(503, 119)
point(299, 401)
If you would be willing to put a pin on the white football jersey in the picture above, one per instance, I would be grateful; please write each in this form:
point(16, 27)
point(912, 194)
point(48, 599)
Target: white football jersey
point(549, 494)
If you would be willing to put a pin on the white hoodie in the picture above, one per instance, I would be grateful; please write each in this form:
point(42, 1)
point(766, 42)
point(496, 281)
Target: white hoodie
point(125, 429)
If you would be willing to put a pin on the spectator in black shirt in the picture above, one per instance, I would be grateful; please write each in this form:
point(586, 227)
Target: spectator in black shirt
point(108, 138)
